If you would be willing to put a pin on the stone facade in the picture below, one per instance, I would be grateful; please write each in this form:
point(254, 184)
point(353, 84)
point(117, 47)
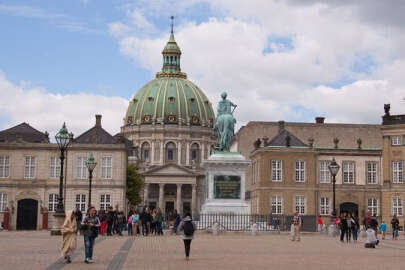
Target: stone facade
point(39, 182)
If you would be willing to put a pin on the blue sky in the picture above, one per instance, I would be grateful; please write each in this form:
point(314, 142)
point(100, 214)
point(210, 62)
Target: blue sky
point(279, 56)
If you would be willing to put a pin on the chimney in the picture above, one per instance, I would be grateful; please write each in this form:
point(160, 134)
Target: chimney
point(98, 120)
point(319, 120)
point(280, 126)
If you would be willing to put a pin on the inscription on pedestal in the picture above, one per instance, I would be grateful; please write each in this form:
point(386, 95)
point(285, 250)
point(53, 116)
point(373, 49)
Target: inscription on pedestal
point(227, 186)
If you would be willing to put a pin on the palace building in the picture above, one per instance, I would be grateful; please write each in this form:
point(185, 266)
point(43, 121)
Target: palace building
point(169, 121)
point(289, 170)
point(30, 170)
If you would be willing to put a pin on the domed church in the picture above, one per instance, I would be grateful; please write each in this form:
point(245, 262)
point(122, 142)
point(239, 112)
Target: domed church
point(170, 121)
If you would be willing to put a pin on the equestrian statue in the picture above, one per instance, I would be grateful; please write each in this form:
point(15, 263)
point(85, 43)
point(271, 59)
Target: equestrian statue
point(225, 123)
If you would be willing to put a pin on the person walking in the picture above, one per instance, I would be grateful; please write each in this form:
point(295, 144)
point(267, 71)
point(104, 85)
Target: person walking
point(145, 219)
point(159, 221)
point(135, 222)
point(129, 225)
point(395, 227)
point(69, 235)
point(187, 229)
point(153, 229)
point(320, 223)
point(79, 217)
point(90, 225)
point(349, 228)
point(110, 219)
point(383, 229)
point(121, 221)
point(177, 219)
point(355, 228)
point(103, 221)
point(297, 226)
point(343, 227)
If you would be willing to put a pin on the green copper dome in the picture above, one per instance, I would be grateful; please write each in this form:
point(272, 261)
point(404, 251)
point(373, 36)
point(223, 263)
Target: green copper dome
point(170, 98)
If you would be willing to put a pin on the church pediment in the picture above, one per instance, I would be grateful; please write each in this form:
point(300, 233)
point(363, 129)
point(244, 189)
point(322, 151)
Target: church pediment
point(171, 169)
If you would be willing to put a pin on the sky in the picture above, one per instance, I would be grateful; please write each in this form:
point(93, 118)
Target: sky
point(293, 60)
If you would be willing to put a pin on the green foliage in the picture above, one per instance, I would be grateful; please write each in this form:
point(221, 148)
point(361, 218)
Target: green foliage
point(134, 185)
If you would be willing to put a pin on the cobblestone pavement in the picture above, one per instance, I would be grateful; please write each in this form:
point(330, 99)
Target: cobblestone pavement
point(38, 250)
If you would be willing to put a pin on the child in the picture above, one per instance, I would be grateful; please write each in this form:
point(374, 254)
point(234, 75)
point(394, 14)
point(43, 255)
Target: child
point(371, 241)
point(383, 229)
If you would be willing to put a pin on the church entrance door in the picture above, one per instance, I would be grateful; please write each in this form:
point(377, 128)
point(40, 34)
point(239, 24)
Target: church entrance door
point(27, 214)
point(349, 207)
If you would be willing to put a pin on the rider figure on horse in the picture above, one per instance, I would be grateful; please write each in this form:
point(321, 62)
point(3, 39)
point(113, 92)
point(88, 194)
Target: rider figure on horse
point(225, 122)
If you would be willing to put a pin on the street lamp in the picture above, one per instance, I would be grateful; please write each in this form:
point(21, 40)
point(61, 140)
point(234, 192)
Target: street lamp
point(63, 138)
point(90, 164)
point(334, 168)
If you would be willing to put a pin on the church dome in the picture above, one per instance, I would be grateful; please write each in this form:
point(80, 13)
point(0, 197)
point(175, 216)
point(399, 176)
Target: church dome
point(170, 98)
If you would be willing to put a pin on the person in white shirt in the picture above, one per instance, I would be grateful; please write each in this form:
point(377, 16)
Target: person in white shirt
point(371, 241)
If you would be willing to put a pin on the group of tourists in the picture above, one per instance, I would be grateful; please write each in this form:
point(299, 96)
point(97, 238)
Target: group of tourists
point(113, 222)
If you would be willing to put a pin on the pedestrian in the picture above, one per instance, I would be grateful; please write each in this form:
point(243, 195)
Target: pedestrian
point(103, 221)
point(90, 225)
point(371, 241)
point(79, 217)
point(320, 223)
point(187, 227)
point(349, 221)
point(177, 220)
point(153, 229)
point(115, 220)
point(69, 235)
point(296, 222)
point(343, 227)
point(110, 219)
point(355, 228)
point(374, 224)
point(129, 224)
point(135, 222)
point(395, 227)
point(383, 229)
point(159, 221)
point(121, 221)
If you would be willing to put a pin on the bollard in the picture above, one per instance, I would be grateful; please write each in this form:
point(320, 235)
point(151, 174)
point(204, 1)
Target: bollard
point(254, 230)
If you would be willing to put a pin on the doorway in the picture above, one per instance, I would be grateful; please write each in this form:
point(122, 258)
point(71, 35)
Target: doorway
point(27, 214)
point(169, 207)
point(349, 207)
point(186, 207)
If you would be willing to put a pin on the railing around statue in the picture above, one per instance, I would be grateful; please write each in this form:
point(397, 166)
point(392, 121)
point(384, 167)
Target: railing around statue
point(244, 222)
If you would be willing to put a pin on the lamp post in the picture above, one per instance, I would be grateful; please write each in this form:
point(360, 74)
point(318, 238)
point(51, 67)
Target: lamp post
point(334, 168)
point(63, 138)
point(90, 164)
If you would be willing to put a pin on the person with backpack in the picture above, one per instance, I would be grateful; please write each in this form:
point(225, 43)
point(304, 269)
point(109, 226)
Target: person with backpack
point(187, 227)
point(90, 226)
point(395, 227)
point(129, 224)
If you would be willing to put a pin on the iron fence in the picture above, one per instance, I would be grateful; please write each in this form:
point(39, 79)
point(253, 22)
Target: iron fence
point(244, 222)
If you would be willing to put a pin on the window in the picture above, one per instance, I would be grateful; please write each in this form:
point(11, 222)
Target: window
point(105, 201)
point(195, 150)
point(55, 167)
point(397, 172)
point(372, 206)
point(3, 201)
point(4, 166)
point(52, 202)
point(300, 171)
point(81, 202)
point(81, 169)
point(397, 206)
point(29, 171)
point(106, 167)
point(277, 170)
point(324, 173)
point(396, 140)
point(300, 204)
point(325, 206)
point(277, 205)
point(348, 172)
point(371, 173)
point(145, 151)
point(170, 151)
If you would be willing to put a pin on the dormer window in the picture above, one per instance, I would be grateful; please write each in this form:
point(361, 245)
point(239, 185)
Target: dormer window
point(192, 100)
point(135, 100)
point(129, 120)
point(150, 99)
point(171, 99)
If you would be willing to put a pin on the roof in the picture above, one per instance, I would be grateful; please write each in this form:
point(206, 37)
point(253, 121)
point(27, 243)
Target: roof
point(285, 138)
point(97, 135)
point(24, 132)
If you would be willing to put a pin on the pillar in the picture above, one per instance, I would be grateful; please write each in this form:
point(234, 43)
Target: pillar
point(187, 153)
point(194, 200)
point(145, 194)
point(161, 197)
point(202, 158)
point(152, 155)
point(178, 201)
point(162, 153)
point(179, 153)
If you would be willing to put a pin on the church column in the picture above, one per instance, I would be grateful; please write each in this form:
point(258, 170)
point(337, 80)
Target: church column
point(202, 151)
point(179, 152)
point(162, 154)
point(153, 152)
point(146, 193)
point(178, 201)
point(161, 197)
point(187, 153)
point(194, 200)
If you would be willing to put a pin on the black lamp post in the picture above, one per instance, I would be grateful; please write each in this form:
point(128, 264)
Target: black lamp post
point(90, 164)
point(334, 168)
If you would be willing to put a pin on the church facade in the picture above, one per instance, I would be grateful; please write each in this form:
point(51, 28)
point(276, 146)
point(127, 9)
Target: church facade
point(170, 122)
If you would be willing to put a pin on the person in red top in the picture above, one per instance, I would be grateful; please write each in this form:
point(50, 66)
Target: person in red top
point(320, 223)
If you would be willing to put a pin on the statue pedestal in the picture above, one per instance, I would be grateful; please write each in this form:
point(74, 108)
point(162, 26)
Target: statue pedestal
point(225, 184)
point(58, 219)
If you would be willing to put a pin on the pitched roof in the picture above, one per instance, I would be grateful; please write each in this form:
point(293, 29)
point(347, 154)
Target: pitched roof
point(96, 135)
point(23, 132)
point(285, 138)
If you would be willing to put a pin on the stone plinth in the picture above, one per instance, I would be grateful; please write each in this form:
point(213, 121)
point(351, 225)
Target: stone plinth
point(225, 184)
point(58, 219)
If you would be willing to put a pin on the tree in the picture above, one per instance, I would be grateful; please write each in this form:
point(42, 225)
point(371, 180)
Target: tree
point(134, 185)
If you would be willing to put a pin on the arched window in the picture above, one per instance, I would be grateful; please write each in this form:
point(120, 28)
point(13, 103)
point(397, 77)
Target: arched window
point(170, 152)
point(171, 59)
point(145, 151)
point(175, 60)
point(195, 152)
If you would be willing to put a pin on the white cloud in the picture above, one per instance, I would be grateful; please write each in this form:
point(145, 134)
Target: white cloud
point(327, 41)
point(47, 111)
point(141, 22)
point(118, 29)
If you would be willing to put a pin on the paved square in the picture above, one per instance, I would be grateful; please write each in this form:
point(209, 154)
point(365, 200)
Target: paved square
point(38, 250)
